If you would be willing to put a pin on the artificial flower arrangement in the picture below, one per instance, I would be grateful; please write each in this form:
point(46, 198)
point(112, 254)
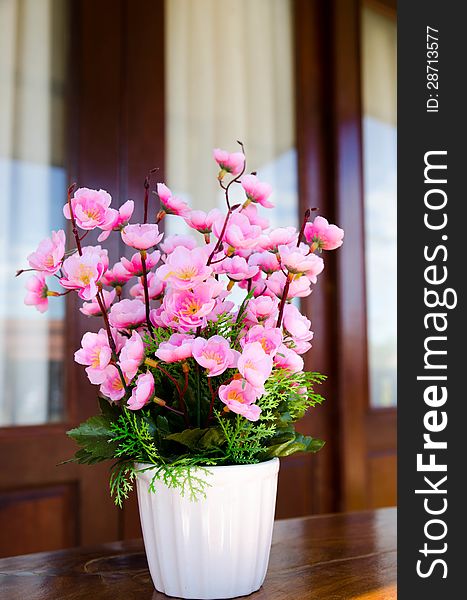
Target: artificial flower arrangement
point(188, 379)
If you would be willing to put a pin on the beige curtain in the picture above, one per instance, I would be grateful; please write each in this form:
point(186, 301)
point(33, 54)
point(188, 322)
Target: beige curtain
point(230, 77)
point(32, 74)
point(379, 65)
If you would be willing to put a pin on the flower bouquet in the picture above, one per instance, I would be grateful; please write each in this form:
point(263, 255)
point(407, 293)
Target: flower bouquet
point(199, 392)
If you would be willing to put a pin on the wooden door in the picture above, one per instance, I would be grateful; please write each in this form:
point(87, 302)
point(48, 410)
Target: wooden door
point(368, 432)
point(357, 467)
point(113, 136)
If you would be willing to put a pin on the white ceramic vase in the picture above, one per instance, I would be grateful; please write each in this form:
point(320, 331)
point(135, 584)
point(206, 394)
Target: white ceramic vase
point(218, 546)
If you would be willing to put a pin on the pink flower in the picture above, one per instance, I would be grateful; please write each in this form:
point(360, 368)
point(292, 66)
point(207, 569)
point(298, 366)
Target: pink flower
point(188, 309)
point(49, 254)
point(134, 265)
point(239, 233)
point(239, 397)
point(92, 309)
point(222, 307)
point(257, 191)
point(96, 353)
point(127, 313)
point(121, 217)
point(116, 276)
point(254, 217)
point(202, 221)
point(255, 365)
point(270, 338)
point(322, 235)
point(299, 264)
point(82, 273)
point(258, 285)
point(156, 288)
point(37, 294)
point(298, 327)
point(185, 268)
point(173, 241)
point(237, 268)
point(299, 286)
point(90, 208)
point(229, 163)
point(177, 347)
point(143, 392)
point(141, 236)
point(112, 386)
point(214, 354)
point(286, 358)
point(131, 355)
point(282, 236)
point(266, 261)
point(169, 203)
point(262, 309)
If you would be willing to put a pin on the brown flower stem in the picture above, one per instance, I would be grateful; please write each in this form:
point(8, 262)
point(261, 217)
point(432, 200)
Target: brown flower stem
point(285, 293)
point(155, 365)
point(174, 410)
point(211, 404)
point(226, 188)
point(217, 247)
point(186, 370)
point(162, 403)
point(21, 271)
point(70, 191)
point(146, 198)
point(302, 229)
point(146, 293)
point(101, 302)
point(235, 179)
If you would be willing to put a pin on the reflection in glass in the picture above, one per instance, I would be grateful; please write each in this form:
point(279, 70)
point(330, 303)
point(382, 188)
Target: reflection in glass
point(32, 188)
point(216, 96)
point(379, 167)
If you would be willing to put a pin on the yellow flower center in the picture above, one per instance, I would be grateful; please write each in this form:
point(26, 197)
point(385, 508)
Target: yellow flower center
point(234, 395)
point(92, 213)
point(212, 355)
point(187, 273)
point(117, 384)
point(191, 307)
point(95, 358)
point(85, 274)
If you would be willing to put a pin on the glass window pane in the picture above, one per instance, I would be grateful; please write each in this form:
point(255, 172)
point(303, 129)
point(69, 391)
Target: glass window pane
point(32, 187)
point(379, 165)
point(230, 77)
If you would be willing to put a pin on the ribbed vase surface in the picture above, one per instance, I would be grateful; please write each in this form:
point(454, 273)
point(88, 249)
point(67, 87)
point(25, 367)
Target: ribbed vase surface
point(216, 547)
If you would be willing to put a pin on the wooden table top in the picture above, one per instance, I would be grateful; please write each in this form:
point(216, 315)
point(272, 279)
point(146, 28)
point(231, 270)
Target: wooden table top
point(350, 556)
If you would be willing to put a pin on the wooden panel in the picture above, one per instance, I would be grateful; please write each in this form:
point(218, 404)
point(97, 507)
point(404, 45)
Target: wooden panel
point(381, 426)
point(50, 513)
point(382, 480)
point(351, 342)
point(315, 173)
point(295, 490)
point(144, 111)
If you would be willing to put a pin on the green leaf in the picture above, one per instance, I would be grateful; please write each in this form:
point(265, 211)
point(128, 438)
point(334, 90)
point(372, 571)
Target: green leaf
point(213, 438)
point(299, 443)
point(195, 439)
point(188, 437)
point(162, 425)
point(109, 410)
point(95, 437)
